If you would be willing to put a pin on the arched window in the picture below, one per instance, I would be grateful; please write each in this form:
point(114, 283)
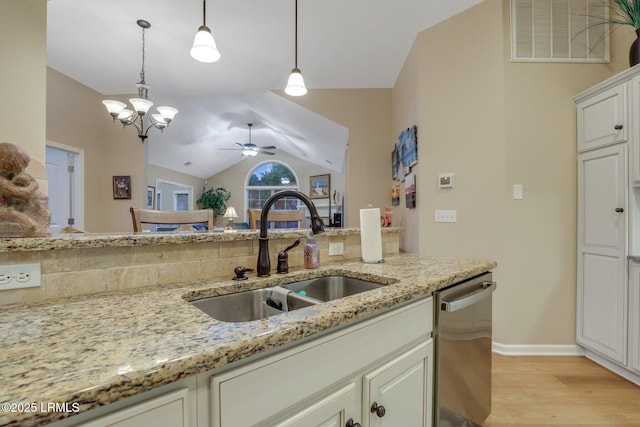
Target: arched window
point(268, 178)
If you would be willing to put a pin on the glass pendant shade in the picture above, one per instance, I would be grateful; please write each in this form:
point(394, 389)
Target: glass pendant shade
point(204, 47)
point(168, 113)
point(141, 105)
point(295, 85)
point(159, 121)
point(114, 107)
point(125, 114)
point(249, 152)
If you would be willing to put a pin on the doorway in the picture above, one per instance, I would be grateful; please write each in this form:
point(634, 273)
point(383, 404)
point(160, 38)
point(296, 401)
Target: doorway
point(177, 197)
point(65, 176)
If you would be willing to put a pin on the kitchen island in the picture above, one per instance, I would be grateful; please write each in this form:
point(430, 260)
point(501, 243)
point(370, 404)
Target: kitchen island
point(89, 351)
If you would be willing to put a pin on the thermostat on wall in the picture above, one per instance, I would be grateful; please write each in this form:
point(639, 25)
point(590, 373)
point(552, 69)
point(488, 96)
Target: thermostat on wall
point(446, 180)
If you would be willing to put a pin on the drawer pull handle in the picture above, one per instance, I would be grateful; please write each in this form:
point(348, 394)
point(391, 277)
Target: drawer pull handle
point(617, 127)
point(378, 410)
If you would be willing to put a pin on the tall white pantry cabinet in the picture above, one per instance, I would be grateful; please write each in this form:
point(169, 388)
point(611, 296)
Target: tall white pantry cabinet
point(608, 276)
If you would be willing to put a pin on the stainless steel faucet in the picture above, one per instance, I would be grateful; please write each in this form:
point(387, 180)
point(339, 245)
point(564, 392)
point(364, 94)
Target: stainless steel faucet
point(317, 226)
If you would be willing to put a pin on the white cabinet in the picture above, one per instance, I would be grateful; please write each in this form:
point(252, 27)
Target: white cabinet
point(396, 393)
point(634, 316)
point(602, 219)
point(634, 124)
point(169, 410)
point(602, 119)
point(608, 294)
point(331, 411)
point(332, 379)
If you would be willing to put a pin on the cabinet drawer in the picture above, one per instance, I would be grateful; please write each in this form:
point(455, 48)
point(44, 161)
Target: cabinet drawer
point(278, 382)
point(169, 410)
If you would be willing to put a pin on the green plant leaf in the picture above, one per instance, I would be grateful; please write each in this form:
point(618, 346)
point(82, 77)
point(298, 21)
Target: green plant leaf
point(214, 198)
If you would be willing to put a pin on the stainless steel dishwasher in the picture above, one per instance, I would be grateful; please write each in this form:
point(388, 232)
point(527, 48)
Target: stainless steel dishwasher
point(462, 332)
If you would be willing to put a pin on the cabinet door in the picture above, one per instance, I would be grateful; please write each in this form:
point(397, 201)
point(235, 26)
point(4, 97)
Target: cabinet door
point(169, 410)
point(331, 411)
point(602, 119)
point(635, 130)
point(602, 219)
point(401, 390)
point(634, 316)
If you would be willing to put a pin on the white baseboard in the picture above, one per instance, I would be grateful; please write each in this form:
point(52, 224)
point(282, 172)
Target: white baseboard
point(536, 349)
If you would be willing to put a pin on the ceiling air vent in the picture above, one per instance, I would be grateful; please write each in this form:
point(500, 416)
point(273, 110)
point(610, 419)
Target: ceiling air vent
point(559, 31)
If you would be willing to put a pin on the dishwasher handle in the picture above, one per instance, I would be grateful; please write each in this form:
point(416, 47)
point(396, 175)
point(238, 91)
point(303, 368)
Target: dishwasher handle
point(486, 289)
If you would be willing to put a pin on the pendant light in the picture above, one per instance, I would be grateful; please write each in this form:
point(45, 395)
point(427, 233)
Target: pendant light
point(295, 85)
point(204, 47)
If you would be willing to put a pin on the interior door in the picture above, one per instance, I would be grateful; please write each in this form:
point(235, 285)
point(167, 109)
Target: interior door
point(64, 184)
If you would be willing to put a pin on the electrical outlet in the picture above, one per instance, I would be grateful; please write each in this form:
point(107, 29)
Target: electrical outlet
point(336, 249)
point(16, 276)
point(446, 216)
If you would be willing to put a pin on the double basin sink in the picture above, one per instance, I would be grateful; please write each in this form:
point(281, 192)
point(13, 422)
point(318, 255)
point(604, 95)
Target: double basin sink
point(251, 305)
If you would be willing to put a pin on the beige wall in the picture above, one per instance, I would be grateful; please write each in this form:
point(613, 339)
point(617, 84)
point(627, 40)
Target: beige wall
point(23, 78)
point(234, 178)
point(495, 124)
point(77, 118)
point(405, 112)
point(367, 115)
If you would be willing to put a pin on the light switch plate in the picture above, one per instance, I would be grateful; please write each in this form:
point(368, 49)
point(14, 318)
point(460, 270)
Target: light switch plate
point(446, 216)
point(518, 192)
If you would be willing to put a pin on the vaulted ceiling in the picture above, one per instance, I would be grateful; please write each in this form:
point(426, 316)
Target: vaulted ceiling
point(342, 44)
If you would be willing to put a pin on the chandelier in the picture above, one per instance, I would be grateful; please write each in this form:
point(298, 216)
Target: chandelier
point(138, 117)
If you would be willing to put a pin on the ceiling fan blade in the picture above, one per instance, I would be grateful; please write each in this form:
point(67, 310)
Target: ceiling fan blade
point(232, 149)
point(267, 152)
point(269, 147)
point(241, 145)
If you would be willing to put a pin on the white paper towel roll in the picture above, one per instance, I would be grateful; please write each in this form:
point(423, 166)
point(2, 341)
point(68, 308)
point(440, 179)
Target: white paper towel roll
point(370, 235)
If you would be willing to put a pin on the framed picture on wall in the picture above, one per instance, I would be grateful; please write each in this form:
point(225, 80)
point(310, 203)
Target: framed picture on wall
point(320, 186)
point(151, 197)
point(122, 187)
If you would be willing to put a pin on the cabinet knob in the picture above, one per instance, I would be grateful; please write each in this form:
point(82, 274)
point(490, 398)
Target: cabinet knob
point(617, 127)
point(379, 410)
point(619, 210)
point(350, 423)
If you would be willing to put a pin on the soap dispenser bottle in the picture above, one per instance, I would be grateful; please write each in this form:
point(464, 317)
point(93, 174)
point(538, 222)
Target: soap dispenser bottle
point(311, 253)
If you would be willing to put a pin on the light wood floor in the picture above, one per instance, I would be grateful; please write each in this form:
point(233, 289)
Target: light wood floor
point(564, 391)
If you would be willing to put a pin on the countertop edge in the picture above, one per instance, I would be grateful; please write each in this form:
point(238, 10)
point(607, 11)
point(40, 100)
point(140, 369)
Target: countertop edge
point(99, 240)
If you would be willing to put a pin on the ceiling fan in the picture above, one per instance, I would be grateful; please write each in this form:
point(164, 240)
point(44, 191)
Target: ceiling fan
point(251, 149)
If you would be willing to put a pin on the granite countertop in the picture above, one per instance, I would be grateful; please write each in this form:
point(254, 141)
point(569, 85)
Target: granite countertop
point(100, 240)
point(98, 349)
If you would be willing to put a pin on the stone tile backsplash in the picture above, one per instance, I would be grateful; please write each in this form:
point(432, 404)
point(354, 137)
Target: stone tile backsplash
point(90, 270)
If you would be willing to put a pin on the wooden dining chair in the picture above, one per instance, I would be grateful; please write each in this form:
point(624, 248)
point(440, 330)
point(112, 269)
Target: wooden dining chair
point(146, 216)
point(277, 216)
